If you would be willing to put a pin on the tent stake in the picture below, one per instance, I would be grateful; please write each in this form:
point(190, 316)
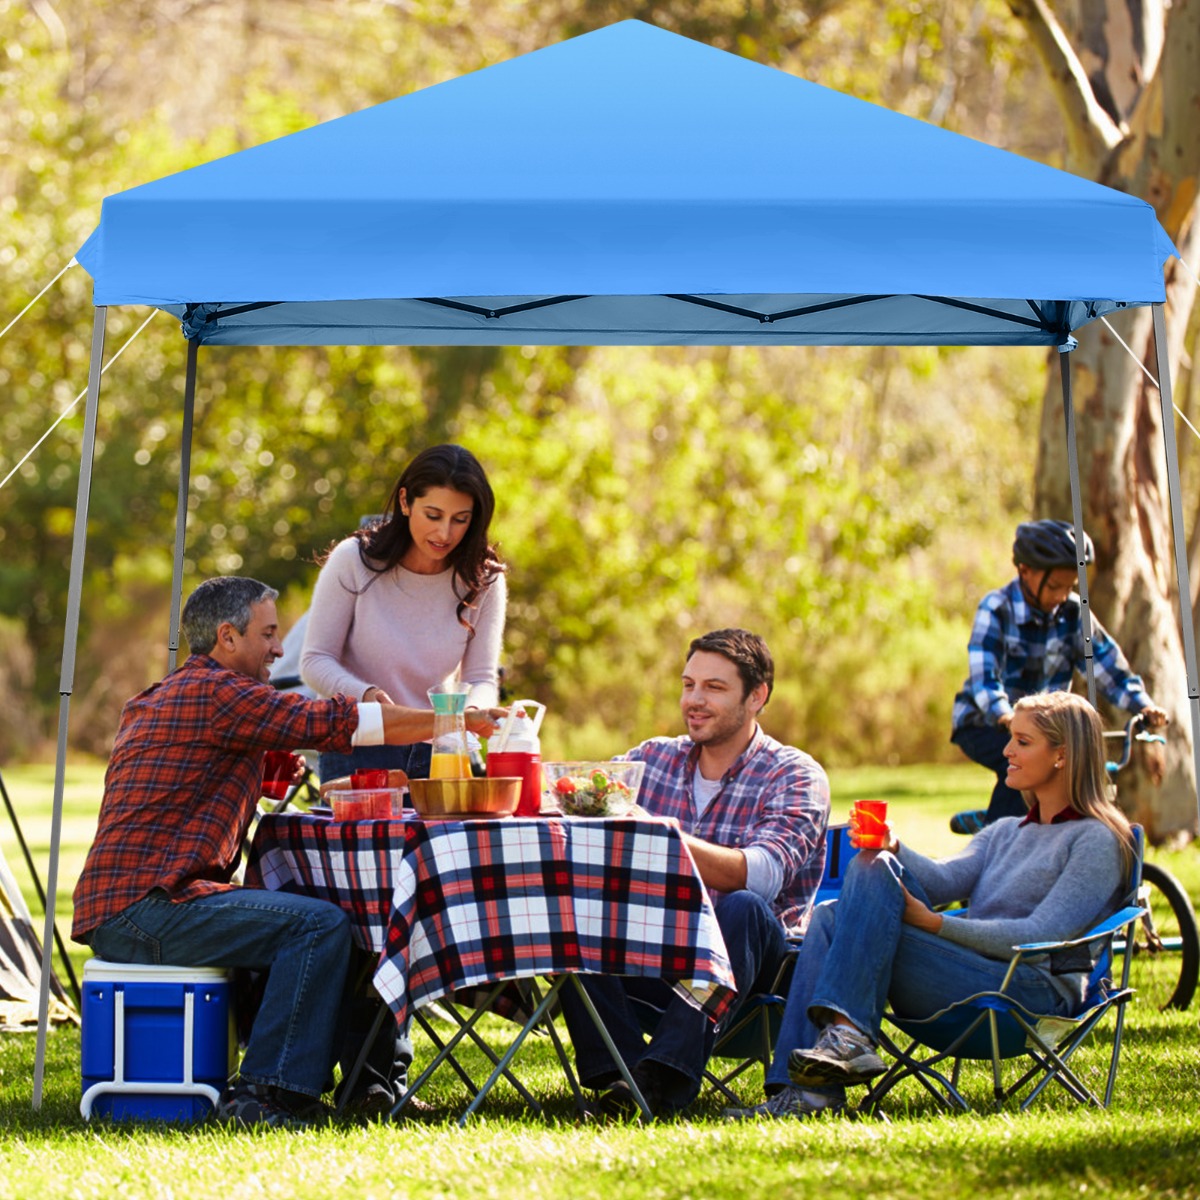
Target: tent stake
point(181, 510)
point(1181, 552)
point(67, 683)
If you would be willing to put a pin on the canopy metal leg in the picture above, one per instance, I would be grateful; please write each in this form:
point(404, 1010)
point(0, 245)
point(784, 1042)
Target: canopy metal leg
point(181, 504)
point(1064, 360)
point(1181, 553)
point(67, 684)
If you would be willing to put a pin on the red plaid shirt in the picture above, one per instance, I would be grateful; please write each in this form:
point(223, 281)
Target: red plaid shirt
point(183, 781)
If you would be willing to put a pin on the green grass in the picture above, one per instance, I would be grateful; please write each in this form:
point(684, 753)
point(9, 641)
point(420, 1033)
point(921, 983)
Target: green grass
point(1147, 1144)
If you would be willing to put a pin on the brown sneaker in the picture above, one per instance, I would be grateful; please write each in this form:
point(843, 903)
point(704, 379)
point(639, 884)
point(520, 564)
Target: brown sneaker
point(414, 1106)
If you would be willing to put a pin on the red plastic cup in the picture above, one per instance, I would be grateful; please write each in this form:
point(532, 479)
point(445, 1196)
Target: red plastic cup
point(279, 772)
point(869, 819)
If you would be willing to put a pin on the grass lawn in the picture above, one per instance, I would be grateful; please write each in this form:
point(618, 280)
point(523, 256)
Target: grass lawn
point(1147, 1144)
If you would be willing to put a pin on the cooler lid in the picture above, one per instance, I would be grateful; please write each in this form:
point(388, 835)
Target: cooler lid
point(97, 970)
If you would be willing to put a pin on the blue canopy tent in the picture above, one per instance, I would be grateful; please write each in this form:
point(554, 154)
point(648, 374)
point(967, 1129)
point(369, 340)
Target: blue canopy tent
point(628, 186)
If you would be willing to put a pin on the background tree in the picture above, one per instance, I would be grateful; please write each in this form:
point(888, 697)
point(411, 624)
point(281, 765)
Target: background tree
point(850, 503)
point(1124, 73)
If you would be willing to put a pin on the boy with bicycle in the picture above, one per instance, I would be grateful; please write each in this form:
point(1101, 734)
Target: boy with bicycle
point(1027, 637)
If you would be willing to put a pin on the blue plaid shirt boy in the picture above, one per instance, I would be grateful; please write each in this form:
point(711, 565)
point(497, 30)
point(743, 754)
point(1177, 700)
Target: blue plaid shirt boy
point(1016, 650)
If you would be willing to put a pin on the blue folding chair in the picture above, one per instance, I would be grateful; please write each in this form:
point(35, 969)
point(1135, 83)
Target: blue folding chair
point(750, 1037)
point(838, 853)
point(992, 1027)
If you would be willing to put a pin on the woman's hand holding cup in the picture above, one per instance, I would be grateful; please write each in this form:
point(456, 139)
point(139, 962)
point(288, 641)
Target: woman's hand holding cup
point(869, 828)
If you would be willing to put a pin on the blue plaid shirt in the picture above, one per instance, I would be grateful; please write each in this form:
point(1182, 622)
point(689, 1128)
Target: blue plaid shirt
point(1015, 650)
point(774, 797)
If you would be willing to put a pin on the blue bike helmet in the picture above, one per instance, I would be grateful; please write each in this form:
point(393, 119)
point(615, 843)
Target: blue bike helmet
point(1049, 545)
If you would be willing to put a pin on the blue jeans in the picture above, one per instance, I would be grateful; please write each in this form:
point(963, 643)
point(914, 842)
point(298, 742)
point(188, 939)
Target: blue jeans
point(858, 955)
point(413, 759)
point(304, 945)
point(683, 1036)
point(985, 744)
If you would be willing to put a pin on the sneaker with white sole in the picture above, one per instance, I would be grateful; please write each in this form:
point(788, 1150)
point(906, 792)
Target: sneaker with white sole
point(843, 1055)
point(789, 1102)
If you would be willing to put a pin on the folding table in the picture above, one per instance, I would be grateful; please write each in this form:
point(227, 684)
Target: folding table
point(459, 906)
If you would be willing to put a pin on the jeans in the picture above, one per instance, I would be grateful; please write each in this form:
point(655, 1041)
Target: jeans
point(683, 1036)
point(985, 744)
point(413, 759)
point(858, 955)
point(307, 1014)
point(303, 942)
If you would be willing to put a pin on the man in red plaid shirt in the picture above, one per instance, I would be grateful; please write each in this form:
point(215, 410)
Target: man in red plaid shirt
point(753, 813)
point(182, 786)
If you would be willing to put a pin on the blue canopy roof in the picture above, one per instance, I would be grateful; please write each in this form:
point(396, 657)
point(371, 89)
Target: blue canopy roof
point(627, 186)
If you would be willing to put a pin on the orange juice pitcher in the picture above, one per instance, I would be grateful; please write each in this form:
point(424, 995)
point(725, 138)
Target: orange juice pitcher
point(451, 757)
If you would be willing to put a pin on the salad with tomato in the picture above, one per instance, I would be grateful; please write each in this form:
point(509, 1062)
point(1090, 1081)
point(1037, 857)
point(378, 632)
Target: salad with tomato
point(593, 795)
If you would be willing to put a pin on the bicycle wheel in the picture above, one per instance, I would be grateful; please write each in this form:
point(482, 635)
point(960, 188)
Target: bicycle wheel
point(1166, 952)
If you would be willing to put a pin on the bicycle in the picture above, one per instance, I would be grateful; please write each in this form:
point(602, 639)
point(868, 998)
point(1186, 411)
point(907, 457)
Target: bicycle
point(1169, 927)
point(1166, 955)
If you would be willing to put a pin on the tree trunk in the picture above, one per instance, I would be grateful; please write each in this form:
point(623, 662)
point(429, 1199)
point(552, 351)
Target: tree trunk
point(1119, 424)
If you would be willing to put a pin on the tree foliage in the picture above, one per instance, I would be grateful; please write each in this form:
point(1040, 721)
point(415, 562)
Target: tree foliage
point(849, 504)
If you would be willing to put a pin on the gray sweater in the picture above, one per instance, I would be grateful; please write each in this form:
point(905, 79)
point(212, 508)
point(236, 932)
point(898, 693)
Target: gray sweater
point(1027, 883)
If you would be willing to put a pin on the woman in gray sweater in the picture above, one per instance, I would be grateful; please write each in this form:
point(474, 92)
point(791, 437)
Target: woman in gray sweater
point(1049, 876)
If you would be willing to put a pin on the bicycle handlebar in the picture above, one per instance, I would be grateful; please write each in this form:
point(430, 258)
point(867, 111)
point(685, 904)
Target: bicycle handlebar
point(1128, 737)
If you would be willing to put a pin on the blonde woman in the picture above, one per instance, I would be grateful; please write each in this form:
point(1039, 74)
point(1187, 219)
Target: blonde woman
point(1048, 876)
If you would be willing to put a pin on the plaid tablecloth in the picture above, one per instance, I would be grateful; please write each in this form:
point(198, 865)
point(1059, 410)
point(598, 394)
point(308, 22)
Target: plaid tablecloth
point(454, 905)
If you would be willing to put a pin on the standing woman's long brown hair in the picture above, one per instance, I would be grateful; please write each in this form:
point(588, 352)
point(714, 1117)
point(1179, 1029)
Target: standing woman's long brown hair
point(474, 560)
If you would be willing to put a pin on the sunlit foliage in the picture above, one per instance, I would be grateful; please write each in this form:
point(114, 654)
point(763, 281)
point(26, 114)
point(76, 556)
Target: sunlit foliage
point(849, 504)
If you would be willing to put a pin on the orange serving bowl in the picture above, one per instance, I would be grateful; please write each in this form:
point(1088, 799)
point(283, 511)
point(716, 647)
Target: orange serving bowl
point(495, 797)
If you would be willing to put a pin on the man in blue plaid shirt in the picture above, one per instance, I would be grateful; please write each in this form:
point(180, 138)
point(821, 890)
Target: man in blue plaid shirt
point(1027, 638)
point(753, 813)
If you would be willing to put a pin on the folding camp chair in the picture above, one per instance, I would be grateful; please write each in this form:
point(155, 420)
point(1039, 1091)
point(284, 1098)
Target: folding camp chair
point(838, 853)
point(750, 1037)
point(991, 1026)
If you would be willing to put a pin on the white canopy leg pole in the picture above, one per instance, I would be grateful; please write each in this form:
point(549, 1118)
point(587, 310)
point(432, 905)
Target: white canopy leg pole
point(67, 684)
point(1064, 362)
point(181, 506)
point(1181, 554)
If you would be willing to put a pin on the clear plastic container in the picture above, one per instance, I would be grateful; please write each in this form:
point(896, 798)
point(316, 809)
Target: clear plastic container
point(366, 804)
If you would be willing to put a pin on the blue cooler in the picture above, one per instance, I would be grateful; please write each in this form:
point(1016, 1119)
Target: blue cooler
point(157, 1041)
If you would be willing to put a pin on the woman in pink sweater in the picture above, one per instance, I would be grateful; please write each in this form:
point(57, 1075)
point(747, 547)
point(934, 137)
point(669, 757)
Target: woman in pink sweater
point(415, 599)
